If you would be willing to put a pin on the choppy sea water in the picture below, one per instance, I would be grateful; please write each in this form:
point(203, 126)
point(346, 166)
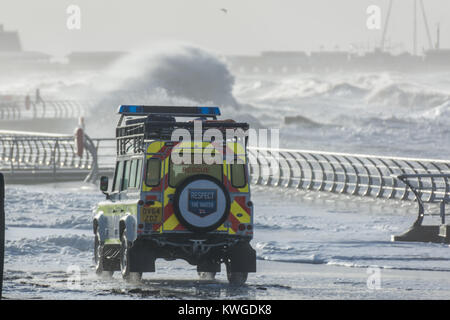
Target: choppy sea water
point(292, 226)
point(49, 226)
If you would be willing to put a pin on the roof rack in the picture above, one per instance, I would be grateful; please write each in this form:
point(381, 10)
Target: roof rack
point(178, 111)
point(158, 123)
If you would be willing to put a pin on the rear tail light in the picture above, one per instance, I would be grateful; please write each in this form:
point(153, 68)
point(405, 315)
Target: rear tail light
point(241, 227)
point(249, 227)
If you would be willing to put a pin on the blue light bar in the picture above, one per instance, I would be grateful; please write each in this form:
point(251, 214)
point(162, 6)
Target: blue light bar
point(210, 110)
point(132, 110)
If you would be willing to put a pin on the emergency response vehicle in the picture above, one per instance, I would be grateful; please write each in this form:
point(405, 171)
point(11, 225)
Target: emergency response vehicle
point(193, 209)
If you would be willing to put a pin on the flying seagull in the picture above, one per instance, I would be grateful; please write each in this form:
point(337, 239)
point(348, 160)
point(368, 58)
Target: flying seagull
point(224, 10)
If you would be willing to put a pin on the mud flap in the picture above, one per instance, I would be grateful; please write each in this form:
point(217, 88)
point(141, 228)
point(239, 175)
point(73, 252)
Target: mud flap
point(141, 258)
point(242, 258)
point(110, 263)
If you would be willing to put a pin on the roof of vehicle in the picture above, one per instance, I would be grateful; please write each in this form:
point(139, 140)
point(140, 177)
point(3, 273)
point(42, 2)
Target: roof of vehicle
point(178, 111)
point(143, 123)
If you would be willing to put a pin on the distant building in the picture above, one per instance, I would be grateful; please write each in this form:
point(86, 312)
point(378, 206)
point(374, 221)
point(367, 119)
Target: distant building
point(9, 41)
point(270, 62)
point(244, 64)
point(93, 59)
point(329, 60)
point(12, 56)
point(282, 62)
point(285, 61)
point(437, 57)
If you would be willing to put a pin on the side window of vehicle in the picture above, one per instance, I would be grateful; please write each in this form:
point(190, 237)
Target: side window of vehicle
point(118, 176)
point(135, 173)
point(238, 176)
point(126, 176)
point(153, 172)
point(138, 173)
point(132, 181)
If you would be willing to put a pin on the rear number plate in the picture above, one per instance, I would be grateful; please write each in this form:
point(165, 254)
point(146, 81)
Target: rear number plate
point(151, 214)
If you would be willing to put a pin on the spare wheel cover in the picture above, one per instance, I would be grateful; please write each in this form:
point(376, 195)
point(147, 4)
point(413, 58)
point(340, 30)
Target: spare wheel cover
point(201, 203)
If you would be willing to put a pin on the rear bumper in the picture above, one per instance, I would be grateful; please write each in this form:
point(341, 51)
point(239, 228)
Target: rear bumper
point(191, 244)
point(207, 252)
point(191, 239)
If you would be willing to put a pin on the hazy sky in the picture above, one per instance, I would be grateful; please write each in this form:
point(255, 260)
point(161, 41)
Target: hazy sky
point(250, 26)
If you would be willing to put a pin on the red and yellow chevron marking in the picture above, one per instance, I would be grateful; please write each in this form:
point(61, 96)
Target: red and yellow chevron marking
point(170, 221)
point(238, 206)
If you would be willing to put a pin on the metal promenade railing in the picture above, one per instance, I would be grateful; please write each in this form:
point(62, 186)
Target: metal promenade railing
point(425, 181)
point(437, 188)
point(353, 174)
point(59, 109)
point(27, 155)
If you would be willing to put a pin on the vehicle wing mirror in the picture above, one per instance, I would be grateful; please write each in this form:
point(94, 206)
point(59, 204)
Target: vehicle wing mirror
point(104, 184)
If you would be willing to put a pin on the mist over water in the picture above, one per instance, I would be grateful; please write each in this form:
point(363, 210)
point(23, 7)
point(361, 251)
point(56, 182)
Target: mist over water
point(373, 113)
point(386, 113)
point(389, 113)
point(182, 71)
point(380, 113)
point(179, 70)
point(169, 74)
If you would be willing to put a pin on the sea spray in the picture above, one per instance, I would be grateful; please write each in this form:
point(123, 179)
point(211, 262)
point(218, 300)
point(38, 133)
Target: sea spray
point(169, 74)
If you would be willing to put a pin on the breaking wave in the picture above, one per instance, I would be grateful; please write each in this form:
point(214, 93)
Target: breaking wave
point(293, 89)
point(171, 73)
point(346, 90)
point(440, 113)
point(406, 95)
point(379, 89)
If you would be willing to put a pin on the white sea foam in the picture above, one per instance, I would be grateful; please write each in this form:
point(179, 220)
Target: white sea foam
point(67, 244)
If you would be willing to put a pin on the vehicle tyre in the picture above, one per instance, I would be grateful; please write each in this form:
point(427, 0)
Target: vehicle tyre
point(207, 275)
point(99, 257)
point(236, 278)
point(125, 246)
point(189, 211)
